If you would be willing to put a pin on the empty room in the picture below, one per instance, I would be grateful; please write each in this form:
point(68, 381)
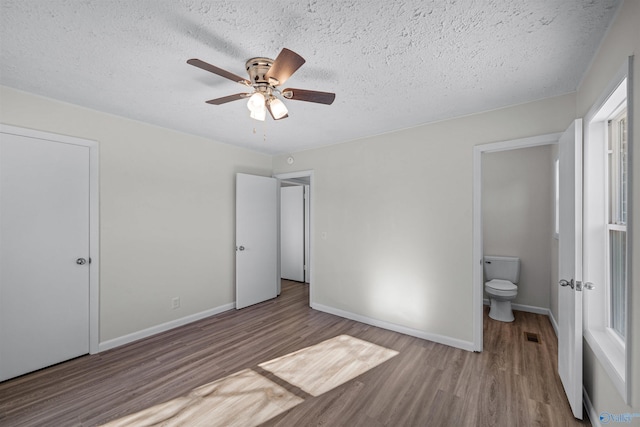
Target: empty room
point(399, 213)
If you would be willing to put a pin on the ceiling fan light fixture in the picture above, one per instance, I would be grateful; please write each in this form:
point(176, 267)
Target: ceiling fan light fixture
point(257, 106)
point(278, 109)
point(256, 102)
point(259, 114)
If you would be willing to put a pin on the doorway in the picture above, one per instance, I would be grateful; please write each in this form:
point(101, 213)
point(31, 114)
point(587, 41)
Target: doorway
point(303, 179)
point(294, 231)
point(478, 242)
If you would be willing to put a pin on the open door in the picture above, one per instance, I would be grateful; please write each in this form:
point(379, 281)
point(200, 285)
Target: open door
point(570, 267)
point(256, 239)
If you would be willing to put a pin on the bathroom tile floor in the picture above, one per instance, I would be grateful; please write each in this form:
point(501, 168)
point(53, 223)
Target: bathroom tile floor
point(513, 382)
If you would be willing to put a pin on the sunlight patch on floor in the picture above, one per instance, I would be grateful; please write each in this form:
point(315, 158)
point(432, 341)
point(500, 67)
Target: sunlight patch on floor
point(247, 398)
point(324, 366)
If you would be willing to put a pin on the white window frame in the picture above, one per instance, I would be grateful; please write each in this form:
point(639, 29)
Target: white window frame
point(610, 350)
point(611, 226)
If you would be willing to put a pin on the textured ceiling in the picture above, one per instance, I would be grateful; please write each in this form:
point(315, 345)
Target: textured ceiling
point(392, 64)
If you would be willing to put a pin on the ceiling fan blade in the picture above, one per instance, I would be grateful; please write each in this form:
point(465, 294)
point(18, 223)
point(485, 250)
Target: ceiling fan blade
point(225, 99)
point(284, 66)
point(309, 96)
point(274, 117)
point(219, 71)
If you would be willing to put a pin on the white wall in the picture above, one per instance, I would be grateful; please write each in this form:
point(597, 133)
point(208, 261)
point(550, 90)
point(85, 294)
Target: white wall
point(623, 39)
point(397, 213)
point(167, 212)
point(516, 214)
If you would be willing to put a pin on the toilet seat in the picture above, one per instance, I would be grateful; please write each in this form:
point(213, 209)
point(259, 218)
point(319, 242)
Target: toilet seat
point(499, 287)
point(502, 285)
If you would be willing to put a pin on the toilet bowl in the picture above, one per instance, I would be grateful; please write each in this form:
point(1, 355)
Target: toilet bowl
point(501, 293)
point(501, 275)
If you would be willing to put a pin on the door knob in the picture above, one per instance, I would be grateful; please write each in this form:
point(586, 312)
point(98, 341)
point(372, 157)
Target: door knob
point(566, 283)
point(586, 285)
point(241, 248)
point(81, 261)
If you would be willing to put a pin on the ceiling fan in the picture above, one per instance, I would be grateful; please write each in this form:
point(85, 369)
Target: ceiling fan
point(265, 77)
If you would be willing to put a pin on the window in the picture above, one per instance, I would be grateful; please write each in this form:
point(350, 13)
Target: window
point(605, 233)
point(617, 222)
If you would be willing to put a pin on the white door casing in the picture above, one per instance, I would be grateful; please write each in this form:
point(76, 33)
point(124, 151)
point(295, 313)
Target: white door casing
point(478, 284)
point(570, 266)
point(256, 239)
point(45, 228)
point(307, 233)
point(292, 233)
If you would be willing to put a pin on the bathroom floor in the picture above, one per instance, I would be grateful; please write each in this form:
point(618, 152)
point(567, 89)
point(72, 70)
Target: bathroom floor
point(526, 351)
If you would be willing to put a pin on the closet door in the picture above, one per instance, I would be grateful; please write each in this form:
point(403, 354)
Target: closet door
point(44, 253)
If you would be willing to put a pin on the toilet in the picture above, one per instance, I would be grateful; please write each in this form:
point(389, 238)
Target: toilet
point(501, 274)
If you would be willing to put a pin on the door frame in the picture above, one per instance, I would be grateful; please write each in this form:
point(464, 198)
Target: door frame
point(94, 218)
point(478, 150)
point(310, 269)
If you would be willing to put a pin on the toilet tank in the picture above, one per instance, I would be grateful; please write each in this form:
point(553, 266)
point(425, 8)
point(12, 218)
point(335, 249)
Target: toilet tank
point(502, 267)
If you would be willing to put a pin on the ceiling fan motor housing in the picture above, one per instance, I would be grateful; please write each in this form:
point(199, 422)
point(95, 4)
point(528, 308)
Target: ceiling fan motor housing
point(257, 69)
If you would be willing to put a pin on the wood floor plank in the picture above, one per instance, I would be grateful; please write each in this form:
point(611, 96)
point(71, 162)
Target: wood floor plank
point(513, 382)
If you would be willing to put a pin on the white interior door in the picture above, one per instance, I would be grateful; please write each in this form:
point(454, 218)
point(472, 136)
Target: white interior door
point(570, 267)
point(292, 233)
point(44, 235)
point(256, 239)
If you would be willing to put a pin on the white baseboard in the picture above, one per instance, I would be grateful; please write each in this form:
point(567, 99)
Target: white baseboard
point(591, 411)
point(554, 323)
point(523, 307)
point(441, 339)
point(530, 309)
point(135, 336)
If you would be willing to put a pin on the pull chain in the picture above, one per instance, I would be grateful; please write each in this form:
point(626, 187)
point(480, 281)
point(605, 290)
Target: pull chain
point(264, 131)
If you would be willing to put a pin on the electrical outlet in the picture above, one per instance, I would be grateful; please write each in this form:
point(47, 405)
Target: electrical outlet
point(175, 303)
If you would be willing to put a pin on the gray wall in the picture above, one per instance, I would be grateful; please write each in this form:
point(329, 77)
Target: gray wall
point(167, 212)
point(397, 213)
point(516, 215)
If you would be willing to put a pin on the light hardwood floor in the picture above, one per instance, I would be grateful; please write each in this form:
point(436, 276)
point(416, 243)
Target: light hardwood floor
point(513, 382)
